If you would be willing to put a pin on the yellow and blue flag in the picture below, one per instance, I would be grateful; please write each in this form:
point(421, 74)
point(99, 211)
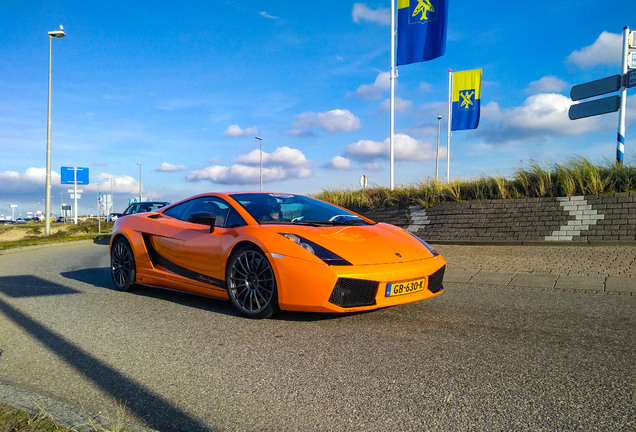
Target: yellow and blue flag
point(421, 30)
point(466, 99)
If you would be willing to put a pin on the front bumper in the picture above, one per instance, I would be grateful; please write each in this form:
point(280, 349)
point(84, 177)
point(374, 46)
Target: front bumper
point(315, 287)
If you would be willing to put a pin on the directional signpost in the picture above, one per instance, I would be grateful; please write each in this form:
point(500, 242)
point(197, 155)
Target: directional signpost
point(74, 176)
point(606, 85)
point(594, 107)
point(595, 88)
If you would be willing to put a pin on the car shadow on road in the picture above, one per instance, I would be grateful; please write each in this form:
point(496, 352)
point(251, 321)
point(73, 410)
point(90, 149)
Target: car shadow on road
point(98, 276)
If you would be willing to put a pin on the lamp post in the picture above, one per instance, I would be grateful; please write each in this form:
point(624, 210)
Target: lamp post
point(138, 163)
point(261, 160)
point(439, 118)
point(47, 205)
point(112, 198)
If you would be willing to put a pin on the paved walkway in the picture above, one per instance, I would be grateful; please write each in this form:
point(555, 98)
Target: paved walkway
point(603, 269)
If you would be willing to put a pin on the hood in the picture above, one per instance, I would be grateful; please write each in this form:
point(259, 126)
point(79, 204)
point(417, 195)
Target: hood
point(362, 245)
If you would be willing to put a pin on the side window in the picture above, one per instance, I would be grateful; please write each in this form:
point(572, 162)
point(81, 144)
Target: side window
point(226, 216)
point(134, 209)
point(234, 219)
point(177, 210)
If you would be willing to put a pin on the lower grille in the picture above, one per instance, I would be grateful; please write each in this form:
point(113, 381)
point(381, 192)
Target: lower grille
point(435, 280)
point(354, 292)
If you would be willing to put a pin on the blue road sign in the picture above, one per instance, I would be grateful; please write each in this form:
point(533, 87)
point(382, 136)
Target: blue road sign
point(595, 88)
point(594, 107)
point(69, 176)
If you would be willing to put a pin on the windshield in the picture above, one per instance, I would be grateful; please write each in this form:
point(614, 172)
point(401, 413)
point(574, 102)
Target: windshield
point(275, 208)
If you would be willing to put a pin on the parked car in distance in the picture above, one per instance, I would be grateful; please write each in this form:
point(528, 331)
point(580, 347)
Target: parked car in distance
point(143, 207)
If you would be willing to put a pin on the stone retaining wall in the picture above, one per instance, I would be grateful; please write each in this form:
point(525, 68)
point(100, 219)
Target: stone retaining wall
point(590, 218)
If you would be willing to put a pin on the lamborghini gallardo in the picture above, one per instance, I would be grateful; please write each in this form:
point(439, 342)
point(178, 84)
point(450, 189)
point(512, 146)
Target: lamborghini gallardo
point(266, 252)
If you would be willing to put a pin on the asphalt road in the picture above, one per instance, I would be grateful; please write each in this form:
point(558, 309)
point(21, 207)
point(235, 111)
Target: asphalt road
point(478, 357)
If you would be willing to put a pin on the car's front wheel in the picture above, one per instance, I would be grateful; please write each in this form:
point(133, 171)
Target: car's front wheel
point(122, 265)
point(251, 283)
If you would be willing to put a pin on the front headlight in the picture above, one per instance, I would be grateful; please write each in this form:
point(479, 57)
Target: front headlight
point(302, 242)
point(324, 254)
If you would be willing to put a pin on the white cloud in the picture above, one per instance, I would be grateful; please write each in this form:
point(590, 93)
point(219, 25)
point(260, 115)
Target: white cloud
point(607, 48)
point(121, 184)
point(236, 131)
point(166, 167)
point(338, 163)
point(381, 84)
point(401, 106)
point(406, 149)
point(284, 163)
point(547, 84)
point(331, 121)
point(362, 12)
point(30, 179)
point(283, 156)
point(539, 116)
point(268, 16)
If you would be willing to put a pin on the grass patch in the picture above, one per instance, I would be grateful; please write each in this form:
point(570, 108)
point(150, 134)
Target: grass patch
point(32, 233)
point(14, 420)
point(578, 176)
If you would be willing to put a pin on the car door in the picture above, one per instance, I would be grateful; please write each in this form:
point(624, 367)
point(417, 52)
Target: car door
point(190, 250)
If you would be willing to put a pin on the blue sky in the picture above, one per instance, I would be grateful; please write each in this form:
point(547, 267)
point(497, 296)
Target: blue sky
point(183, 88)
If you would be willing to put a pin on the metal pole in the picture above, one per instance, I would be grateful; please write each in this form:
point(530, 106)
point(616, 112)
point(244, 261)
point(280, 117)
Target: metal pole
point(47, 202)
point(47, 192)
point(139, 181)
point(450, 115)
point(112, 197)
point(99, 218)
point(392, 99)
point(620, 139)
point(439, 118)
point(75, 195)
point(261, 161)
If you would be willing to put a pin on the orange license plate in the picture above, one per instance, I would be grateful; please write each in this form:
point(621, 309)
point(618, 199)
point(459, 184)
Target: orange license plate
point(402, 288)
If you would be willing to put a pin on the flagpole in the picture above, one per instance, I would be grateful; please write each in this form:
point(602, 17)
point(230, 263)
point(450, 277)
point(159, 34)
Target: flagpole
point(450, 113)
point(392, 101)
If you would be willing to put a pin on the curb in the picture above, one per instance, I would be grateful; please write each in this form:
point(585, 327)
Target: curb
point(625, 285)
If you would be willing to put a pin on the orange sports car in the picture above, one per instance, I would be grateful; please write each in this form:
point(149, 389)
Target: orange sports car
point(267, 252)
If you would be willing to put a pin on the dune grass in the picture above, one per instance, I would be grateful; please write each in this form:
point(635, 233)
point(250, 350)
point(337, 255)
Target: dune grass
point(578, 176)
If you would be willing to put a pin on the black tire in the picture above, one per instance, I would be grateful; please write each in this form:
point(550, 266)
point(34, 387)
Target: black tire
point(122, 265)
point(251, 283)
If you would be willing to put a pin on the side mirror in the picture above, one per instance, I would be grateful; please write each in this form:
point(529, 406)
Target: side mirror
point(203, 218)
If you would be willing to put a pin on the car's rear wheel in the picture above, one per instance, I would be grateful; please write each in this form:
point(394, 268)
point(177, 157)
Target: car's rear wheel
point(122, 265)
point(251, 283)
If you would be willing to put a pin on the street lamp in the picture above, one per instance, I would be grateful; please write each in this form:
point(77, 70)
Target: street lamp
point(138, 163)
point(261, 164)
point(439, 118)
point(47, 206)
